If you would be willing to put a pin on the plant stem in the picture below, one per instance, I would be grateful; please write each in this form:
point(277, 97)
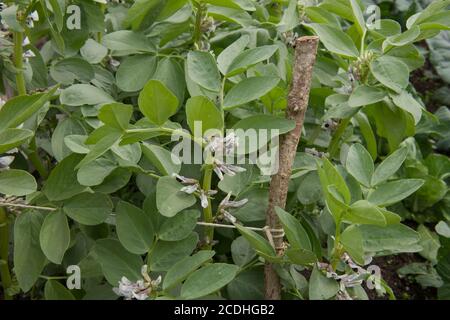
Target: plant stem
point(198, 24)
point(5, 275)
point(337, 246)
point(33, 156)
point(334, 144)
point(18, 63)
point(207, 212)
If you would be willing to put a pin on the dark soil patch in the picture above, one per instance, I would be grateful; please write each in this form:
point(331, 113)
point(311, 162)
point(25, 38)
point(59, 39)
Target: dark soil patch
point(426, 81)
point(404, 288)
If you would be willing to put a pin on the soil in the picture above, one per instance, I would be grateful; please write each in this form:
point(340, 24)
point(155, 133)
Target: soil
point(404, 288)
point(426, 81)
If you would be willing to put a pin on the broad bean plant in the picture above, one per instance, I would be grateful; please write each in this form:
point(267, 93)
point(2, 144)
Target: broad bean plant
point(138, 140)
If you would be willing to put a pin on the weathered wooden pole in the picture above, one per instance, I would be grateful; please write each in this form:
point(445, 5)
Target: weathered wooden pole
point(305, 57)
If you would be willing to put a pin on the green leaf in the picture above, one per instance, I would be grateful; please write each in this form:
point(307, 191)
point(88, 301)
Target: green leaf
point(333, 177)
point(202, 69)
point(392, 238)
point(54, 290)
point(359, 164)
point(12, 137)
point(55, 236)
point(88, 208)
point(364, 95)
point(301, 257)
point(162, 159)
point(402, 39)
point(80, 94)
point(128, 41)
point(248, 285)
point(27, 227)
point(93, 52)
point(106, 140)
point(309, 189)
point(368, 133)
point(116, 115)
point(157, 102)
point(166, 253)
point(227, 56)
point(65, 128)
point(391, 72)
point(321, 287)
point(95, 172)
point(352, 241)
point(19, 109)
point(208, 280)
point(260, 244)
point(183, 268)
point(242, 251)
point(392, 192)
point(169, 199)
point(68, 70)
point(249, 58)
point(235, 4)
point(62, 182)
point(135, 71)
point(408, 103)
point(17, 183)
point(134, 228)
point(360, 22)
point(363, 212)
point(116, 262)
point(429, 240)
point(389, 166)
point(290, 18)
point(172, 75)
point(335, 40)
point(296, 234)
point(248, 90)
point(203, 111)
point(179, 227)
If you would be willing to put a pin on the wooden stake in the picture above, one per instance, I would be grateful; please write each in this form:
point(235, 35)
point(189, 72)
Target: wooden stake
point(305, 57)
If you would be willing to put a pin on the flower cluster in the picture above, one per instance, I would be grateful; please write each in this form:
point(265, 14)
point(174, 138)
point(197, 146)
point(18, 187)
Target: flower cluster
point(346, 280)
point(139, 290)
point(220, 147)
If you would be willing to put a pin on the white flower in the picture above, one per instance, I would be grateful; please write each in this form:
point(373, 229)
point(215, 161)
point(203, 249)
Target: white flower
point(204, 197)
point(33, 16)
point(221, 168)
point(2, 102)
point(190, 189)
point(132, 290)
point(227, 203)
point(25, 41)
point(139, 290)
point(220, 146)
point(114, 63)
point(5, 162)
point(28, 54)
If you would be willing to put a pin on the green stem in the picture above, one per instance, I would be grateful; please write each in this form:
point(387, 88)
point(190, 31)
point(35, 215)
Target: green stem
point(337, 246)
point(33, 156)
point(198, 24)
point(5, 275)
point(18, 63)
point(207, 212)
point(334, 144)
